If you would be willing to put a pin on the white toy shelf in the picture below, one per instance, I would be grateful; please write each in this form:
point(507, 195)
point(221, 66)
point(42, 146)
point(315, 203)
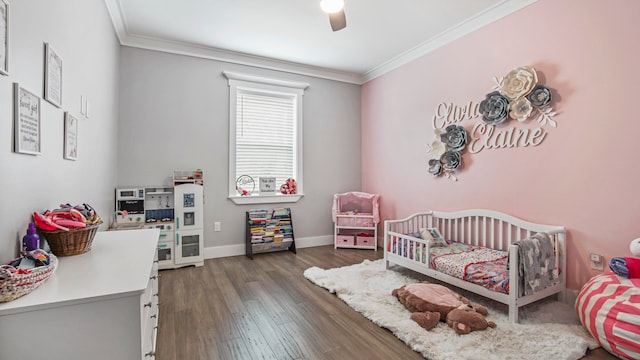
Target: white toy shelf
point(356, 219)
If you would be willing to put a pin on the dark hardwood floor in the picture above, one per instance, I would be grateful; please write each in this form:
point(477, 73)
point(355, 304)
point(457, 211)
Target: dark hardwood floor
point(237, 308)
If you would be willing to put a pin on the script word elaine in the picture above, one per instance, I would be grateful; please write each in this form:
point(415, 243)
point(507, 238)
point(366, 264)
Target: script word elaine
point(485, 136)
point(449, 114)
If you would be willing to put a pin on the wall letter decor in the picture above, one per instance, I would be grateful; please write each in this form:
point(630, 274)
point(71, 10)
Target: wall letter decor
point(517, 96)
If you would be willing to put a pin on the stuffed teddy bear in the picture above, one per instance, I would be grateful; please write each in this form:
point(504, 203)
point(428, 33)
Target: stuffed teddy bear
point(431, 303)
point(466, 319)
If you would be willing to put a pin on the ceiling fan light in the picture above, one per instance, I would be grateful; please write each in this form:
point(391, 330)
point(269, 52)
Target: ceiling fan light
point(331, 6)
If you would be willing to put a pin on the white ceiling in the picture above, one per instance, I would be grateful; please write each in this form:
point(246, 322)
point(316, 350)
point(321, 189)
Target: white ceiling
point(295, 36)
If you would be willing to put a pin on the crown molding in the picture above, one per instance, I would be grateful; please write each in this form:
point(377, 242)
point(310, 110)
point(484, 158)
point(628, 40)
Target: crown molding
point(180, 48)
point(117, 18)
point(114, 7)
point(482, 19)
point(470, 25)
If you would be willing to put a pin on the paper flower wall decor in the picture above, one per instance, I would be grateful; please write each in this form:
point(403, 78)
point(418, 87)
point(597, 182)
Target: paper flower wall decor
point(446, 150)
point(519, 96)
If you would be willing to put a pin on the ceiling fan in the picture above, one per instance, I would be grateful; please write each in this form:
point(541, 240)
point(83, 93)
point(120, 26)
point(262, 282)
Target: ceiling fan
point(335, 9)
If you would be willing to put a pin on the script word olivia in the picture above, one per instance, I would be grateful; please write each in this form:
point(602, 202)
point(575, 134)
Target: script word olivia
point(450, 113)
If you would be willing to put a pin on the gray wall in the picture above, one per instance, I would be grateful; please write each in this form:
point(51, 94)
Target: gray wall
point(82, 34)
point(174, 112)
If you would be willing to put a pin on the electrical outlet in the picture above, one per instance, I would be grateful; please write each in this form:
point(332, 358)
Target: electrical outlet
point(216, 226)
point(596, 261)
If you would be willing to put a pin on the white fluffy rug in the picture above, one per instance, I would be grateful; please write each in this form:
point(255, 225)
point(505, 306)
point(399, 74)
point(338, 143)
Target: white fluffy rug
point(547, 330)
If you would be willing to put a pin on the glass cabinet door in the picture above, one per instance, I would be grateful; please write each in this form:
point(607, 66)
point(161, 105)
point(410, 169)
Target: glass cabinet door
point(188, 246)
point(165, 255)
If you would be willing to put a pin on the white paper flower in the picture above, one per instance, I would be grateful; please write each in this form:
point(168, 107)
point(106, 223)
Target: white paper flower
point(520, 109)
point(438, 148)
point(519, 82)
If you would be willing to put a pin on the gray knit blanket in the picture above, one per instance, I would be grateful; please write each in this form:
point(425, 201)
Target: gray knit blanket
point(537, 265)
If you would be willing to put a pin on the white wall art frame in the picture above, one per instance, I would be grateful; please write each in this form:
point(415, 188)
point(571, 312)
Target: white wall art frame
point(52, 76)
point(70, 137)
point(4, 37)
point(26, 125)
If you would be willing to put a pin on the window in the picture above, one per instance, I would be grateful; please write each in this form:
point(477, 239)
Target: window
point(265, 135)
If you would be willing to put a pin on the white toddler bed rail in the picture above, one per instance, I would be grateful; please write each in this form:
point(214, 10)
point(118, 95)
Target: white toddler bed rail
point(477, 227)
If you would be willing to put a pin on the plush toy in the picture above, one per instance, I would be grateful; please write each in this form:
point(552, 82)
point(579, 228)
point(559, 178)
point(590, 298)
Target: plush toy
point(466, 319)
point(431, 303)
point(628, 266)
point(634, 247)
point(289, 187)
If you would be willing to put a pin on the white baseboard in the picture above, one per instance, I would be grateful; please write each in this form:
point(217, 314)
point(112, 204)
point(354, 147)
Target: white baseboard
point(314, 241)
point(213, 252)
point(571, 296)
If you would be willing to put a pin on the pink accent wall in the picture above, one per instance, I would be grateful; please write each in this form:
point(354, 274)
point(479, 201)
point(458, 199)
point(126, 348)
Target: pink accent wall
point(586, 173)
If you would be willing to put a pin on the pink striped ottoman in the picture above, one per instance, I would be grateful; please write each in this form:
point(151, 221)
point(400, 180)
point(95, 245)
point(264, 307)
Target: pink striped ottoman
point(609, 308)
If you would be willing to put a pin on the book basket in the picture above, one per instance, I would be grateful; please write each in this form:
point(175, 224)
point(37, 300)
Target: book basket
point(14, 285)
point(72, 242)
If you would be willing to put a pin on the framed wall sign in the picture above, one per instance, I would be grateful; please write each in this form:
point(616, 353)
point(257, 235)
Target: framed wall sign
point(4, 37)
point(70, 137)
point(267, 184)
point(26, 121)
point(52, 76)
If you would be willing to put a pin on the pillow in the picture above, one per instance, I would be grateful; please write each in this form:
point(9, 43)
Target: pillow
point(433, 236)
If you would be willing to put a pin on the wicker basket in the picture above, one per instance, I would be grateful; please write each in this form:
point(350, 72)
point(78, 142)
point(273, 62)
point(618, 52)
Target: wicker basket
point(13, 285)
point(72, 242)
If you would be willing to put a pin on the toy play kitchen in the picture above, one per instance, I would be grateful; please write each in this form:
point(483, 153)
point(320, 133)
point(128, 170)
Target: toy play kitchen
point(176, 210)
point(130, 207)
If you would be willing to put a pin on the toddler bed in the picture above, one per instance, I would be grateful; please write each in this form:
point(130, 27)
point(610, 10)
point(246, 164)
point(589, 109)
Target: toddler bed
point(489, 253)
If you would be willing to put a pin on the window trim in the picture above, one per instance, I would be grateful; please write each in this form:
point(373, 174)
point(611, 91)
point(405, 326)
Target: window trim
point(238, 80)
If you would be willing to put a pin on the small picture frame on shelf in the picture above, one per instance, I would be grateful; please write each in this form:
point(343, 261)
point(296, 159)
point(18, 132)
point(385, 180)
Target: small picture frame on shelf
point(245, 185)
point(267, 185)
point(70, 136)
point(52, 76)
point(4, 37)
point(26, 121)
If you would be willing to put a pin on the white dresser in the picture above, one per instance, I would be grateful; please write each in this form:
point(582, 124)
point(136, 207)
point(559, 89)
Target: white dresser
point(98, 305)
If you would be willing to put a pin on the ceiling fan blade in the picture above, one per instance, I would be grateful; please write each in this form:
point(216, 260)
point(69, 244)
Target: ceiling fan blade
point(338, 20)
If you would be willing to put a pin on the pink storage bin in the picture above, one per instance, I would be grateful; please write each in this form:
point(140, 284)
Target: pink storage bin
point(365, 241)
point(345, 240)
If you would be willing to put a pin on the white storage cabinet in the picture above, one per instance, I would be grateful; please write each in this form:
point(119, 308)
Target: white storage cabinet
point(101, 305)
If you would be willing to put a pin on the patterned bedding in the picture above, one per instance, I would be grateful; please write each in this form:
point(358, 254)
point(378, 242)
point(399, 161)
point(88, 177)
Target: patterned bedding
point(479, 265)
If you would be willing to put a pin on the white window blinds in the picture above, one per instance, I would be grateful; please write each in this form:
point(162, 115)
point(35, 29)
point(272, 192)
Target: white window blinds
point(265, 135)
